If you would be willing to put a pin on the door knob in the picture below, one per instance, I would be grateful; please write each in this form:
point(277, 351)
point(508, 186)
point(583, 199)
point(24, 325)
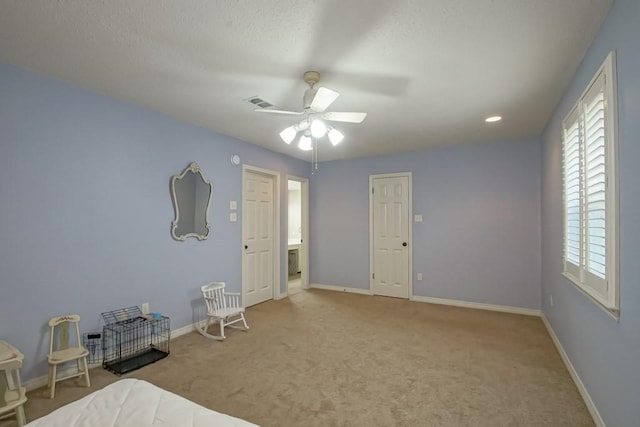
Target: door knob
point(404, 243)
point(246, 246)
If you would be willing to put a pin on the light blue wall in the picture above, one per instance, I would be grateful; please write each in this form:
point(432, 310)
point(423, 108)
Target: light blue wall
point(85, 209)
point(480, 236)
point(605, 353)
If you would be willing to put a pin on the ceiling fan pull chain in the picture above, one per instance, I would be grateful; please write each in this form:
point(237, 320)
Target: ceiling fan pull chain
point(313, 151)
point(315, 146)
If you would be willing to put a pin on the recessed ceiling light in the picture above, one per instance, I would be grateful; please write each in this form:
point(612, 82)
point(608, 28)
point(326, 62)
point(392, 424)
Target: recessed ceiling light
point(493, 119)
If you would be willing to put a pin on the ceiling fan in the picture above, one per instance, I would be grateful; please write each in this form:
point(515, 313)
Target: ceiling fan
point(314, 105)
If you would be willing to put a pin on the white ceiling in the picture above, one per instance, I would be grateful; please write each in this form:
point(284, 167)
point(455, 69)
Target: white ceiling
point(427, 72)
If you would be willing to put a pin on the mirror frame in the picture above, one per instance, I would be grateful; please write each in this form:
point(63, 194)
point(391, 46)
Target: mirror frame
point(193, 168)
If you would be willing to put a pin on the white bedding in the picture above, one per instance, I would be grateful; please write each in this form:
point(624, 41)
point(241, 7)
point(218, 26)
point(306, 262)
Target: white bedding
point(135, 403)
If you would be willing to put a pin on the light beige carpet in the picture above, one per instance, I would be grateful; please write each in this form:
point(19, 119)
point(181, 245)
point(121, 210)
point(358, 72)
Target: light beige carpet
point(322, 358)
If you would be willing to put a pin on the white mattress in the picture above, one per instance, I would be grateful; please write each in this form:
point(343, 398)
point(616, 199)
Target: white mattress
point(135, 403)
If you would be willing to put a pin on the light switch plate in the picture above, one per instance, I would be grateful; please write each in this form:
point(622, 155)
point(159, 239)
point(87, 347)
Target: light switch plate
point(233, 205)
point(233, 217)
point(417, 218)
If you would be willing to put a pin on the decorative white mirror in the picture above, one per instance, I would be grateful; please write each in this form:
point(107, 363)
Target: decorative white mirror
point(191, 200)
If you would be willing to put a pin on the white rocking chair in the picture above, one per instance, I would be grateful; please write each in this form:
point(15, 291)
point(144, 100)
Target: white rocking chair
point(222, 307)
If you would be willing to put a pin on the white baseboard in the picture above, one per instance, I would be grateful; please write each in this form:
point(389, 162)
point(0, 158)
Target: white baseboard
point(477, 305)
point(42, 381)
point(340, 289)
point(593, 410)
point(441, 301)
point(183, 331)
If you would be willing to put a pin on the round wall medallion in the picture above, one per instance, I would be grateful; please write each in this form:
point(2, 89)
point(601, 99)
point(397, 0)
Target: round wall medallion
point(235, 159)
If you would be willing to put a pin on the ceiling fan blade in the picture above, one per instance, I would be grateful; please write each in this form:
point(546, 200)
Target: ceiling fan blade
point(324, 97)
point(293, 113)
point(344, 117)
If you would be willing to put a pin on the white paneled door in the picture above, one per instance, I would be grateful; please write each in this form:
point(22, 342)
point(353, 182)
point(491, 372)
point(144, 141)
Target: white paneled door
point(258, 232)
point(390, 236)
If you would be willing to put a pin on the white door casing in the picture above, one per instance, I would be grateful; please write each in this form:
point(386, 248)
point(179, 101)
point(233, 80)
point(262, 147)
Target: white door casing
point(303, 258)
point(390, 237)
point(260, 236)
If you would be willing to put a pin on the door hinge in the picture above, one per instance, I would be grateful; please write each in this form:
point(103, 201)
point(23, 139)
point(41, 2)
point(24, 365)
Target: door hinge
point(372, 191)
point(373, 276)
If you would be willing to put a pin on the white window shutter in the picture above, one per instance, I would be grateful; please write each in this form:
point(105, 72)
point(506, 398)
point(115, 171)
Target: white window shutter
point(590, 190)
point(572, 195)
point(595, 193)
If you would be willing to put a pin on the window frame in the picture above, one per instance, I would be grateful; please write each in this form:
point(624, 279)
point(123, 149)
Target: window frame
point(607, 298)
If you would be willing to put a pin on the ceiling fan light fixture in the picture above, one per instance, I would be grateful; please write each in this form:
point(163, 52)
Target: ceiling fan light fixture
point(335, 136)
point(289, 134)
point(318, 128)
point(313, 126)
point(305, 143)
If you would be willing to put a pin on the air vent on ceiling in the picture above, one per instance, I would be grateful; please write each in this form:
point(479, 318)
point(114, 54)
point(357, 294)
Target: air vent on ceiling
point(255, 100)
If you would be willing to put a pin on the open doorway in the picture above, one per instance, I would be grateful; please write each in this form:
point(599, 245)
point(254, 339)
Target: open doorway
point(297, 265)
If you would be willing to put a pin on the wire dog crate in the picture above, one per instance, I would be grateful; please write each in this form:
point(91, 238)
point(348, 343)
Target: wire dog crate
point(131, 341)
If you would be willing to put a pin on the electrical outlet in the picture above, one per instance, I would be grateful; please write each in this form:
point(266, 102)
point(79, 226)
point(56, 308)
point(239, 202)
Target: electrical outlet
point(145, 308)
point(419, 276)
point(550, 300)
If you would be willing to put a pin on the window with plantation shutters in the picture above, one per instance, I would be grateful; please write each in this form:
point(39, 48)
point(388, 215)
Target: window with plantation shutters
point(590, 190)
